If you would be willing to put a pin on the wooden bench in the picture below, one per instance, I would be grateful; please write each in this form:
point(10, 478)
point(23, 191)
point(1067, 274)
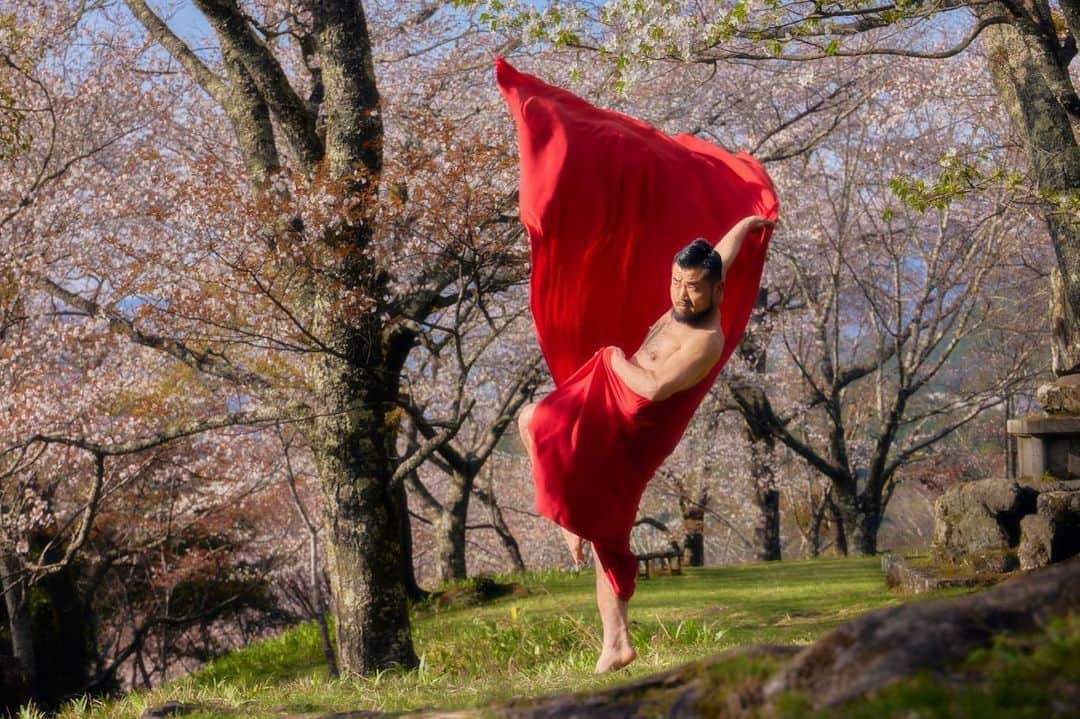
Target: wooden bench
point(656, 549)
point(668, 561)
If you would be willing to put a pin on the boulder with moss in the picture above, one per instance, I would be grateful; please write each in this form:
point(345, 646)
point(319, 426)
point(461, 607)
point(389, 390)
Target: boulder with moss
point(975, 522)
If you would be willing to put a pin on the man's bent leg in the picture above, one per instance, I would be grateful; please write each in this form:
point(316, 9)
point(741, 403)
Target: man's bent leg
point(576, 546)
point(524, 417)
point(617, 651)
point(573, 542)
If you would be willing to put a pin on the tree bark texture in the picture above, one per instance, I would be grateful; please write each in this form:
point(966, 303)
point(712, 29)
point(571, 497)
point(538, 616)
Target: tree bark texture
point(860, 515)
point(352, 442)
point(17, 604)
point(767, 500)
point(767, 530)
point(693, 523)
point(839, 531)
point(498, 522)
point(338, 128)
point(1030, 71)
point(760, 436)
point(817, 518)
point(413, 590)
point(450, 529)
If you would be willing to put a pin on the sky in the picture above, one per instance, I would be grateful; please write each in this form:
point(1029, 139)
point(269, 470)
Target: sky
point(187, 22)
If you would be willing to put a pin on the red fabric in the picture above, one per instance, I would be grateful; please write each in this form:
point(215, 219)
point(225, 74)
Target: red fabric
point(607, 201)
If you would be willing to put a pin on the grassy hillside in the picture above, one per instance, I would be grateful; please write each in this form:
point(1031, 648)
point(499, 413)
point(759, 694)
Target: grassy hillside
point(547, 642)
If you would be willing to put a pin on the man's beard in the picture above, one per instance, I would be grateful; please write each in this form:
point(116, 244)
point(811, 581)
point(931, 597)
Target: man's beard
point(694, 319)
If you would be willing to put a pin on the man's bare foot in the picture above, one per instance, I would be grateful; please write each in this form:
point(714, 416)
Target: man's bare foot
point(576, 545)
point(613, 658)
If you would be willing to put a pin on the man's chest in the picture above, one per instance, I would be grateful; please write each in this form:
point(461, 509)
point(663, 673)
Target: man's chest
point(663, 340)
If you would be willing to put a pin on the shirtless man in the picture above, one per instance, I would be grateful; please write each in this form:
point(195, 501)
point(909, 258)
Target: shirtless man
point(680, 349)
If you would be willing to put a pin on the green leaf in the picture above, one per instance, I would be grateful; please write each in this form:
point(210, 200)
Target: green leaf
point(566, 37)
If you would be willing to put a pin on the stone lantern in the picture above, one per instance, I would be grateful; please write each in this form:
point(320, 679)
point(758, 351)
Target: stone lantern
point(1048, 461)
point(998, 524)
point(1049, 445)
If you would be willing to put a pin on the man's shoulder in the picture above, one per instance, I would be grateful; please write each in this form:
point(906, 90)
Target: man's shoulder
point(709, 340)
point(716, 340)
point(714, 333)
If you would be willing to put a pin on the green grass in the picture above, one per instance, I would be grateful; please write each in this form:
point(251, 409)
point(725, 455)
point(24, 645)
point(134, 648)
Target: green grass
point(541, 644)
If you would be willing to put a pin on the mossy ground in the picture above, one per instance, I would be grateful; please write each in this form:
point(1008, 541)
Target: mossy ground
point(544, 643)
point(1021, 676)
point(952, 570)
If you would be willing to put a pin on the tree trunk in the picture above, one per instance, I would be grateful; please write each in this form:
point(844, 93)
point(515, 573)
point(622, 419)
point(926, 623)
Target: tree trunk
point(767, 531)
point(753, 350)
point(860, 519)
point(693, 501)
point(1032, 79)
point(693, 520)
point(351, 441)
point(817, 517)
point(364, 555)
point(327, 646)
point(501, 528)
point(450, 547)
point(767, 499)
point(814, 537)
point(450, 529)
point(866, 526)
point(836, 515)
point(315, 576)
point(64, 636)
point(357, 383)
point(413, 589)
point(17, 603)
point(1065, 327)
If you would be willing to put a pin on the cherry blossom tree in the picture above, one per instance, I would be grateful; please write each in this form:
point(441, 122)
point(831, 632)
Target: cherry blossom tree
point(468, 376)
point(894, 295)
point(503, 390)
point(911, 173)
point(1026, 48)
point(221, 220)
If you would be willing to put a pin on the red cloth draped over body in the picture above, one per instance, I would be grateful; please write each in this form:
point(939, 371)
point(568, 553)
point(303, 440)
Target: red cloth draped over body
point(607, 201)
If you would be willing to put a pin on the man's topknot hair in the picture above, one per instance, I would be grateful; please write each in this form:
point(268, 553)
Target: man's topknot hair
point(699, 254)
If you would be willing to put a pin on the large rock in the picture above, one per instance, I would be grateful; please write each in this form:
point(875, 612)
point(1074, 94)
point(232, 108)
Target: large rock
point(909, 578)
point(885, 645)
point(992, 561)
point(979, 519)
point(1048, 484)
point(1062, 510)
point(1060, 397)
point(1061, 507)
point(1036, 540)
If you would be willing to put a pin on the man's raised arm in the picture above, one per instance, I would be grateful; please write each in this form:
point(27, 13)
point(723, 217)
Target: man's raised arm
point(728, 248)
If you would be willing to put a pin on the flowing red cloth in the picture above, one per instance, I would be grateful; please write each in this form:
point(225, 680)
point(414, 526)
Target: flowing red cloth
point(607, 201)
